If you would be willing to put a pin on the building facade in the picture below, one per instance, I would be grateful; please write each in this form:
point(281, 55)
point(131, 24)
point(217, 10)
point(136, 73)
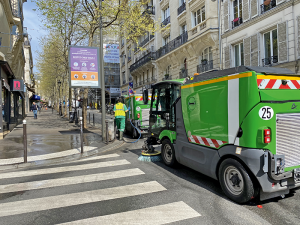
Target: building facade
point(12, 62)
point(189, 43)
point(261, 33)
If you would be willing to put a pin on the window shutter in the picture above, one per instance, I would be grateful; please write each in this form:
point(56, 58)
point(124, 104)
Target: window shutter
point(247, 52)
point(254, 8)
point(227, 57)
point(245, 10)
point(298, 26)
point(226, 15)
point(282, 42)
point(254, 50)
point(279, 1)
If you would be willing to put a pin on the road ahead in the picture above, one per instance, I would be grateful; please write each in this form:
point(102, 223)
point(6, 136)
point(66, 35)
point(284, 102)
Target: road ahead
point(117, 188)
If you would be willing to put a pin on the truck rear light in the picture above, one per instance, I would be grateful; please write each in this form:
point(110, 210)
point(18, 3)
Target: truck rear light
point(139, 115)
point(267, 136)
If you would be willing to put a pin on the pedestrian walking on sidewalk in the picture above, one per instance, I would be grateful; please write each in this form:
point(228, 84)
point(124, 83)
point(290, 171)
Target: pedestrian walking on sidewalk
point(34, 109)
point(120, 110)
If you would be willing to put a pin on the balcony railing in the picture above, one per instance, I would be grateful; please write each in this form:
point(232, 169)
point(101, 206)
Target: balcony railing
point(269, 61)
point(183, 73)
point(150, 10)
point(175, 43)
point(145, 41)
point(205, 66)
point(181, 9)
point(166, 22)
point(16, 8)
point(267, 5)
point(151, 36)
point(148, 57)
point(236, 22)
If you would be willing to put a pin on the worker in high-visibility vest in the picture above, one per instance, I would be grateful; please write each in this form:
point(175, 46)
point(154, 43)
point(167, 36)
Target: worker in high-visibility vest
point(120, 109)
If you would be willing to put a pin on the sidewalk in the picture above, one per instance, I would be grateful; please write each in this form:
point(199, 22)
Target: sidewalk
point(48, 137)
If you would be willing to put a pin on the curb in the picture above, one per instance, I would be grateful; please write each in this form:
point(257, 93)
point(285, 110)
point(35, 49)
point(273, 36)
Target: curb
point(63, 159)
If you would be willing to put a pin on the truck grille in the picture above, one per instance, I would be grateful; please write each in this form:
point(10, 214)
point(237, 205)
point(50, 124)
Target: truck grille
point(145, 117)
point(288, 138)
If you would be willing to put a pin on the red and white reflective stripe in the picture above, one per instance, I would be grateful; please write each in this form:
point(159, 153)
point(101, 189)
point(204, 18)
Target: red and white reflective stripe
point(277, 84)
point(206, 141)
point(139, 98)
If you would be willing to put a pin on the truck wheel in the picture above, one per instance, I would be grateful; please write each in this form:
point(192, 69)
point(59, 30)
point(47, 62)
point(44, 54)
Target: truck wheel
point(168, 153)
point(134, 133)
point(235, 181)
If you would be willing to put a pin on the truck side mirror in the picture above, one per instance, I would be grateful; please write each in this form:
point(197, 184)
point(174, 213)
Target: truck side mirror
point(145, 96)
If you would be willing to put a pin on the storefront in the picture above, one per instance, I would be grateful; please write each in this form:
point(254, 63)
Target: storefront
point(11, 100)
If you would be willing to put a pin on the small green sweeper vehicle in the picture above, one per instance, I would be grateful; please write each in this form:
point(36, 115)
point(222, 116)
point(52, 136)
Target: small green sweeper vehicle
point(138, 114)
point(240, 126)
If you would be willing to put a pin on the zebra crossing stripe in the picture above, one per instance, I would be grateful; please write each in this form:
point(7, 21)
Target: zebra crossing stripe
point(34, 185)
point(94, 158)
point(54, 202)
point(162, 214)
point(63, 169)
point(45, 156)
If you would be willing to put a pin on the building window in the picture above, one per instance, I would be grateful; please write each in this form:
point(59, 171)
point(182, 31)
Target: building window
point(199, 16)
point(166, 40)
point(183, 29)
point(239, 55)
point(270, 47)
point(129, 54)
point(206, 55)
point(237, 8)
point(166, 13)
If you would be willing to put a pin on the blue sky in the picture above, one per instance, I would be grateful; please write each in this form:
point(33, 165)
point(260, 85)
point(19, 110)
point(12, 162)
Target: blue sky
point(34, 26)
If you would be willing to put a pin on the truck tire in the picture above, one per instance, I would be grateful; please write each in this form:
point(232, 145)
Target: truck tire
point(168, 153)
point(235, 181)
point(134, 133)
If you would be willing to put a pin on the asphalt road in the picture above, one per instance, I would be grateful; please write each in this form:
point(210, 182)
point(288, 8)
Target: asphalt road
point(120, 189)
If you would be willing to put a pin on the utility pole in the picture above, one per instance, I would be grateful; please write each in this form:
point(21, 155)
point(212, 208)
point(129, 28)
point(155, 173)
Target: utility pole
point(102, 73)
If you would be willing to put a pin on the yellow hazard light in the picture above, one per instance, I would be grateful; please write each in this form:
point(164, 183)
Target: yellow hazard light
point(196, 74)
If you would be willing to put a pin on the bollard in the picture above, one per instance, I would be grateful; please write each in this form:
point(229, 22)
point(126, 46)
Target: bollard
point(81, 134)
point(106, 128)
point(89, 118)
point(25, 141)
point(93, 120)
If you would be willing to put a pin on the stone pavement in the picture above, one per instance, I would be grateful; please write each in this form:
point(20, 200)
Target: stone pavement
point(49, 137)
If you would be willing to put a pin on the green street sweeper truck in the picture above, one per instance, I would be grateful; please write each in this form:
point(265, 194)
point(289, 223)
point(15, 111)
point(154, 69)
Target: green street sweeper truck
point(240, 126)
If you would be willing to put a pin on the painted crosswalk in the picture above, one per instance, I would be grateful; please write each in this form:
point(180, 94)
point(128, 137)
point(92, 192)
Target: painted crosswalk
point(127, 183)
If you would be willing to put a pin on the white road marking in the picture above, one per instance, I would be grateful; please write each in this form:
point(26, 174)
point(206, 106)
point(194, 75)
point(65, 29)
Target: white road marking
point(54, 202)
point(63, 169)
point(69, 181)
point(45, 156)
point(94, 158)
point(161, 214)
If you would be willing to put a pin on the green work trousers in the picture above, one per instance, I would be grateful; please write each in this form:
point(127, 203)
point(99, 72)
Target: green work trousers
point(120, 122)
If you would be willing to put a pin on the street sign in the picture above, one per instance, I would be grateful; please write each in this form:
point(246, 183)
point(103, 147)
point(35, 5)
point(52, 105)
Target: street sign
point(17, 85)
point(84, 67)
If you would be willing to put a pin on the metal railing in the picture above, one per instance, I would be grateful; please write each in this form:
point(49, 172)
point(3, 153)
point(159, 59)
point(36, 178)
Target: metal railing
point(269, 61)
point(181, 9)
point(148, 57)
point(16, 8)
point(166, 22)
point(183, 73)
point(236, 22)
point(265, 7)
point(175, 43)
point(144, 41)
point(205, 66)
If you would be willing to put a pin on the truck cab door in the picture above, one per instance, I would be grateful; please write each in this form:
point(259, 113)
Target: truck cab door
point(162, 112)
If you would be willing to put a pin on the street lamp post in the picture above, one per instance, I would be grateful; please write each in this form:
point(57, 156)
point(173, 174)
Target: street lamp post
point(60, 112)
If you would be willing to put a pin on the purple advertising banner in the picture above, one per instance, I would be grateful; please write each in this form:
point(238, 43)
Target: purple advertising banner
point(84, 69)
